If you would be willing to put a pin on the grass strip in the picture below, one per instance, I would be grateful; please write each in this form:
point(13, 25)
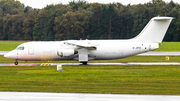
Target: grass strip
point(93, 79)
point(8, 46)
point(169, 46)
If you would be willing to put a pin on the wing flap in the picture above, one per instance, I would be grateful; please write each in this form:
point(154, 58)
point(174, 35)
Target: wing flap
point(86, 45)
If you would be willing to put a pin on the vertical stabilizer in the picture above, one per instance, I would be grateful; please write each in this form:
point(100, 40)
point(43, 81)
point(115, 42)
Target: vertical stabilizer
point(155, 30)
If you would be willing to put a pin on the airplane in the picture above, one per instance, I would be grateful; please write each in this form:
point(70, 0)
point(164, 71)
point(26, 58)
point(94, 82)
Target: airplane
point(86, 50)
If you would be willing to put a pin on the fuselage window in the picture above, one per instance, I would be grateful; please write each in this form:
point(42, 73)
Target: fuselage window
point(20, 48)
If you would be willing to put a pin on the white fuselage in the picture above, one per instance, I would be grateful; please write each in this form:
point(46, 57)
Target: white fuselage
point(105, 50)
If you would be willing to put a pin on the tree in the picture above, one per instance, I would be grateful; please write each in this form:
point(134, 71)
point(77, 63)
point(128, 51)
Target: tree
point(16, 28)
point(72, 22)
point(1, 29)
point(44, 27)
point(140, 16)
point(11, 7)
point(84, 20)
point(176, 29)
point(7, 27)
point(28, 26)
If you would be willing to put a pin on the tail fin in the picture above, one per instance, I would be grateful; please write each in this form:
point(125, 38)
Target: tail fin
point(155, 30)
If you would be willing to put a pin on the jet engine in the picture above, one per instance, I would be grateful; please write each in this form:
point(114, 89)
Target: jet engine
point(66, 52)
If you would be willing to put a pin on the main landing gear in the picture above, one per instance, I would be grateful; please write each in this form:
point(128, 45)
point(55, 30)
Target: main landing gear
point(16, 63)
point(84, 63)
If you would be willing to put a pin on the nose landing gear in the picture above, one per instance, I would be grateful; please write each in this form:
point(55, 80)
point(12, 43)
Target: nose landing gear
point(16, 63)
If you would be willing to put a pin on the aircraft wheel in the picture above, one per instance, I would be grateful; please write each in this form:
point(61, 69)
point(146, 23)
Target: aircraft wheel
point(16, 63)
point(84, 63)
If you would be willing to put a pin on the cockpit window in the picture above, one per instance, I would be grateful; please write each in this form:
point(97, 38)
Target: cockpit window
point(20, 48)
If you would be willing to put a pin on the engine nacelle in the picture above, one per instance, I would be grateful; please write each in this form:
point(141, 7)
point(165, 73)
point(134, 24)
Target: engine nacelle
point(66, 52)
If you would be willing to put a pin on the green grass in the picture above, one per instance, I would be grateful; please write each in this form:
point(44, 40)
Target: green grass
point(169, 46)
point(93, 79)
point(8, 46)
point(166, 46)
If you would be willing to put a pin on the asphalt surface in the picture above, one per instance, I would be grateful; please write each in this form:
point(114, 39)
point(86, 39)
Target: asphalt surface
point(25, 96)
point(3, 52)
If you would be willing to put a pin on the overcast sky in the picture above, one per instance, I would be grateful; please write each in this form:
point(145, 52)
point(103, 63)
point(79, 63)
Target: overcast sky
point(43, 3)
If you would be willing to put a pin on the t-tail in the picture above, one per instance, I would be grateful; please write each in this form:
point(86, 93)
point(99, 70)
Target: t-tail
point(154, 31)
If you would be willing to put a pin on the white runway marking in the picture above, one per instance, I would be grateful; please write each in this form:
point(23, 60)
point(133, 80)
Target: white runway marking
point(24, 96)
point(130, 63)
point(160, 54)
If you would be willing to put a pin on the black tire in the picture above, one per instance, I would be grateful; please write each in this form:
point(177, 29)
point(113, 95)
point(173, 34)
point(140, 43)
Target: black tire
point(16, 63)
point(84, 63)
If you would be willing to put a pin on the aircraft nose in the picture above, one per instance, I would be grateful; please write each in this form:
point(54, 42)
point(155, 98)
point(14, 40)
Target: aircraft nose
point(11, 55)
point(7, 55)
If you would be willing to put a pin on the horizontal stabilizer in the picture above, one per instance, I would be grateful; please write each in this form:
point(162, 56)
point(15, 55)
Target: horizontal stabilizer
point(162, 18)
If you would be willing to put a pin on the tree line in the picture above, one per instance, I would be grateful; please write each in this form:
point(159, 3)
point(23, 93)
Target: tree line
point(83, 20)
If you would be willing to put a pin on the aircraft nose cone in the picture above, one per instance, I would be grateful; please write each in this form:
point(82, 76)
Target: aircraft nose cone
point(11, 55)
point(7, 55)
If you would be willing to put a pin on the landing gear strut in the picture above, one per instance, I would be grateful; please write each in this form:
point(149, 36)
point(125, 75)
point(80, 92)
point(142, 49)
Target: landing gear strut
point(16, 63)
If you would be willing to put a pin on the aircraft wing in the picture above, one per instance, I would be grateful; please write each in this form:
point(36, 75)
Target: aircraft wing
point(86, 45)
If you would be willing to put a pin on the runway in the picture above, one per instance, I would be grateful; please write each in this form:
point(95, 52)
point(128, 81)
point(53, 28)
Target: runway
point(3, 52)
point(160, 54)
point(143, 54)
point(121, 64)
point(25, 96)
point(91, 64)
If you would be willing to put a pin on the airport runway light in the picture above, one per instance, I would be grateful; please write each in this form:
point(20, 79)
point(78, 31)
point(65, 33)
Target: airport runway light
point(167, 58)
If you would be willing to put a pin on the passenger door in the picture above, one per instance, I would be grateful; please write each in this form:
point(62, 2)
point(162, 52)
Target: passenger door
point(31, 49)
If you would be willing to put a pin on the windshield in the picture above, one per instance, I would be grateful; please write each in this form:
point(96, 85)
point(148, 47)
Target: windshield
point(20, 48)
